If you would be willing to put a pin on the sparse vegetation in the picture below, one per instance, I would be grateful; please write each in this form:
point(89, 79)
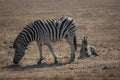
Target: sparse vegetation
point(98, 19)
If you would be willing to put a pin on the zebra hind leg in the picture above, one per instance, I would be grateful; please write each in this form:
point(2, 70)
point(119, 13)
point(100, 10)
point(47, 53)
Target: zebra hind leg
point(93, 51)
point(51, 49)
point(39, 44)
point(70, 40)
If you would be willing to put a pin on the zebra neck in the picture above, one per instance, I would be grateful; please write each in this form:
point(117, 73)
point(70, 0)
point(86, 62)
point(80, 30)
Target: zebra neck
point(25, 42)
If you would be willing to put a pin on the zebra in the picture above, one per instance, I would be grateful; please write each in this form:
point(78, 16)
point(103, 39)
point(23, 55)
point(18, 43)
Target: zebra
point(87, 50)
point(46, 31)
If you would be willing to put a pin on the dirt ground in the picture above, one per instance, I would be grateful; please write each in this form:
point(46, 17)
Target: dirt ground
point(98, 19)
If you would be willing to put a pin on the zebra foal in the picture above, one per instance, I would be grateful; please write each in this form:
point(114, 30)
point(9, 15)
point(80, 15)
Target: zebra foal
point(87, 50)
point(46, 31)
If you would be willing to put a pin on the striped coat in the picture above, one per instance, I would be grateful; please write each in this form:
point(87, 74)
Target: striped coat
point(46, 31)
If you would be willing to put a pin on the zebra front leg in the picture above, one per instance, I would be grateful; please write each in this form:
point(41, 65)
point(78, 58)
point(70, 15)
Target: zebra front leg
point(51, 50)
point(72, 52)
point(40, 51)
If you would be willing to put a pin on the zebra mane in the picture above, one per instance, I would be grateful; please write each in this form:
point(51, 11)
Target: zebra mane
point(32, 23)
point(28, 25)
point(17, 39)
point(15, 43)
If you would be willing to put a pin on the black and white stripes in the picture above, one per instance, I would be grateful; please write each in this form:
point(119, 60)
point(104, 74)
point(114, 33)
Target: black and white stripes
point(87, 50)
point(46, 31)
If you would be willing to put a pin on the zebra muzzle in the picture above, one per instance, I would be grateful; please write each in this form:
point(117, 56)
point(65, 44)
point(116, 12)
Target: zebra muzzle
point(15, 61)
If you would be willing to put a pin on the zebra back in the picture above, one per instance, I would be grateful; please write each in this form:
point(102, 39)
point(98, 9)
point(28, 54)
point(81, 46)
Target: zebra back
point(54, 29)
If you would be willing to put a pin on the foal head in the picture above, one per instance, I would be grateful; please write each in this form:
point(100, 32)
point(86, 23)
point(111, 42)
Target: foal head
point(84, 43)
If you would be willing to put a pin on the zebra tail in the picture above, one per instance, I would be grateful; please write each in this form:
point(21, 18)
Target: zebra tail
point(75, 42)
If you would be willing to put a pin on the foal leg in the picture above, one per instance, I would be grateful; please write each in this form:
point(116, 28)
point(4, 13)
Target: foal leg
point(94, 52)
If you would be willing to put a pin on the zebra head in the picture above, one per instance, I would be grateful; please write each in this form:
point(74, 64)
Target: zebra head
point(84, 42)
point(19, 51)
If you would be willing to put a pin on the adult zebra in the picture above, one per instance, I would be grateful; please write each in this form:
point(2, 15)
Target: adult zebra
point(46, 31)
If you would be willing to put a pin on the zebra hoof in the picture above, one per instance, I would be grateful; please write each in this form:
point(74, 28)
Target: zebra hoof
point(56, 62)
point(71, 60)
point(39, 62)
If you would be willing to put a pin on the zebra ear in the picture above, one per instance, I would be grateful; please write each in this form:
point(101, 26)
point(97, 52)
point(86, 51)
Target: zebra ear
point(81, 38)
point(86, 37)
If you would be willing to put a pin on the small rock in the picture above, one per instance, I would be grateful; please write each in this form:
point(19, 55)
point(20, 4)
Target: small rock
point(114, 67)
point(10, 46)
point(105, 67)
point(2, 62)
point(118, 49)
point(111, 75)
point(110, 49)
point(9, 52)
point(5, 42)
point(71, 68)
point(104, 46)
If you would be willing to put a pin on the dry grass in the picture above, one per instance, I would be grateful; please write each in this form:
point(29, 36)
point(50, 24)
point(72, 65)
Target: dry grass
point(99, 19)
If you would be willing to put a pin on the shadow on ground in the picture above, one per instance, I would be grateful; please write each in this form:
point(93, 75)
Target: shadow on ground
point(44, 65)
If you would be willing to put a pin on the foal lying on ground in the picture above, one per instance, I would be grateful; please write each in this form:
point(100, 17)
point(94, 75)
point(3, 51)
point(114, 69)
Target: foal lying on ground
point(87, 50)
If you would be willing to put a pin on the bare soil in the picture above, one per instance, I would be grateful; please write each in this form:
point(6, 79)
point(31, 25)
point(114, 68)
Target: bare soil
point(98, 19)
